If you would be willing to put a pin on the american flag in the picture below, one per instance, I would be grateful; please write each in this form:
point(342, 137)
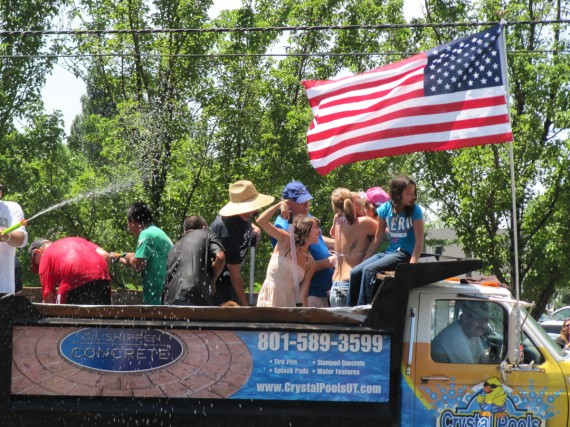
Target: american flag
point(449, 97)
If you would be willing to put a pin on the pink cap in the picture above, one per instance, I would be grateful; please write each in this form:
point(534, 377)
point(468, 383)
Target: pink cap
point(377, 196)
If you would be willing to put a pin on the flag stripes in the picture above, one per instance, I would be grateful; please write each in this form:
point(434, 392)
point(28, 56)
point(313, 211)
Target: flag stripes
point(448, 98)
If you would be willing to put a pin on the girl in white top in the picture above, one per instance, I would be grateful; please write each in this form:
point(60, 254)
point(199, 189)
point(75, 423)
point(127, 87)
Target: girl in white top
point(287, 282)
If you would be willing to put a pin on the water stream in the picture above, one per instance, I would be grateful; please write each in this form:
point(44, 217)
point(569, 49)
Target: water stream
point(107, 191)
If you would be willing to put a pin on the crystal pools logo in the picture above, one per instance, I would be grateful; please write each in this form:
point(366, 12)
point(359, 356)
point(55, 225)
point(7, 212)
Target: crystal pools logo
point(121, 349)
point(490, 406)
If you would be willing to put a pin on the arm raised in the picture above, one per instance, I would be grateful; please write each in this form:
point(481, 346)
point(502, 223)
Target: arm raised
point(263, 220)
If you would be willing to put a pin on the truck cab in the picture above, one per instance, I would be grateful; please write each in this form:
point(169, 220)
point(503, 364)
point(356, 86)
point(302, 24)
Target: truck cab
point(520, 379)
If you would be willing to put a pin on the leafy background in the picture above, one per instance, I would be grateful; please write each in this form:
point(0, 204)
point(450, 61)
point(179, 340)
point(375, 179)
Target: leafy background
point(172, 118)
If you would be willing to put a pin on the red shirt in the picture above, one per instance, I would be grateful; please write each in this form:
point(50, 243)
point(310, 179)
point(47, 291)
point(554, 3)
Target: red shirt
point(69, 263)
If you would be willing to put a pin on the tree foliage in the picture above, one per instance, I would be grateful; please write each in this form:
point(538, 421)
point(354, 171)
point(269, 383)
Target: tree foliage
point(173, 118)
point(477, 182)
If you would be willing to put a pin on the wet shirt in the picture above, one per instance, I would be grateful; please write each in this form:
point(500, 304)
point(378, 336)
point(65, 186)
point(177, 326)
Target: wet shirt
point(189, 268)
point(153, 245)
point(69, 263)
point(401, 227)
point(236, 236)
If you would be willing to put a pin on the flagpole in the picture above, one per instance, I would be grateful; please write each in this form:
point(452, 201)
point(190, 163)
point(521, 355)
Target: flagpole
point(503, 47)
point(515, 354)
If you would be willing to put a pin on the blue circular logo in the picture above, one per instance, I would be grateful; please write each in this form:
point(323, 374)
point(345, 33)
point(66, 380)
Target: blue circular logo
point(121, 349)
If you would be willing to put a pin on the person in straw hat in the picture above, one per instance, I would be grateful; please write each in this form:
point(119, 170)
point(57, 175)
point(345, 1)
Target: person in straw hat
point(234, 228)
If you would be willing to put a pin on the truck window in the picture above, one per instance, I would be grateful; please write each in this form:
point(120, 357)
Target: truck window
point(530, 351)
point(467, 331)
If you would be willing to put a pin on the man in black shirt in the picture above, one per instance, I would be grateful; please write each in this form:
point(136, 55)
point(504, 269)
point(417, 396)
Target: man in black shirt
point(194, 264)
point(233, 227)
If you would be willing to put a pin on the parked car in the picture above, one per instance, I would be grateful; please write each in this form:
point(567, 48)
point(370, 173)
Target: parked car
point(561, 314)
point(553, 322)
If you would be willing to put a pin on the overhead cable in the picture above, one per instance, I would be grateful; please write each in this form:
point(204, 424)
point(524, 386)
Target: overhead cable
point(76, 32)
point(255, 55)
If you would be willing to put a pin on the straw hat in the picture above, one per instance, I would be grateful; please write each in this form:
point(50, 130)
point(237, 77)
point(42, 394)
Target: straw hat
point(244, 198)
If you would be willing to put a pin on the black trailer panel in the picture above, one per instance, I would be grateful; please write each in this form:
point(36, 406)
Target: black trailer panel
point(183, 367)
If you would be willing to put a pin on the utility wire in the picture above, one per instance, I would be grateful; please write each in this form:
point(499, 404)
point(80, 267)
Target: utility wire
point(252, 55)
point(5, 33)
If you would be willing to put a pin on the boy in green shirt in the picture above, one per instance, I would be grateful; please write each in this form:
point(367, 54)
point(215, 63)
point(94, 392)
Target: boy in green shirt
point(151, 254)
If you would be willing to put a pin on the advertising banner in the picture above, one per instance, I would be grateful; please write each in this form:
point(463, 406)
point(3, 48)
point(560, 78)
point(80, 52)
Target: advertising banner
point(223, 364)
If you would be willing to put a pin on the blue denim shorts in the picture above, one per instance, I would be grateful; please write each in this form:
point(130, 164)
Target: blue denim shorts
point(339, 294)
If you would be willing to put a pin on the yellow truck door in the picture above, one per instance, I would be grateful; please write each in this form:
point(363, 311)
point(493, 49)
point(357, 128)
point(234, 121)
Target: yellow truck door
point(456, 372)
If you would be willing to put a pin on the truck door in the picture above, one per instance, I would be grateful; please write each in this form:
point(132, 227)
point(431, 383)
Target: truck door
point(459, 348)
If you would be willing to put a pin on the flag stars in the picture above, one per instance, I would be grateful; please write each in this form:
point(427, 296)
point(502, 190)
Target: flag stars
point(473, 61)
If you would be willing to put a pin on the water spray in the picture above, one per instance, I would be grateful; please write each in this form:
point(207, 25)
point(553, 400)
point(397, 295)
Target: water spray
point(22, 223)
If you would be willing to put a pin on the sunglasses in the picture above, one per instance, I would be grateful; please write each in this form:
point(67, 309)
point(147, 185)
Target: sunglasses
point(493, 386)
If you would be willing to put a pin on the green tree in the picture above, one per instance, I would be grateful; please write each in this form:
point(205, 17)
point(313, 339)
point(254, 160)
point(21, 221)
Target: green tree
point(24, 63)
point(473, 185)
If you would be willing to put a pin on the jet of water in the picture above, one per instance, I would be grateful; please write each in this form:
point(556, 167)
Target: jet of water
point(111, 189)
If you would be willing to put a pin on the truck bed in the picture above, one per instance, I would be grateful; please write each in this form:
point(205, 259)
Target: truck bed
point(65, 365)
point(234, 364)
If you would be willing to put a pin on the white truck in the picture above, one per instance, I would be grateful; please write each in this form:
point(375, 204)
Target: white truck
point(377, 365)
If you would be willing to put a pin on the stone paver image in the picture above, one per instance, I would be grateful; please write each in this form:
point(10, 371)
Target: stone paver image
point(216, 364)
